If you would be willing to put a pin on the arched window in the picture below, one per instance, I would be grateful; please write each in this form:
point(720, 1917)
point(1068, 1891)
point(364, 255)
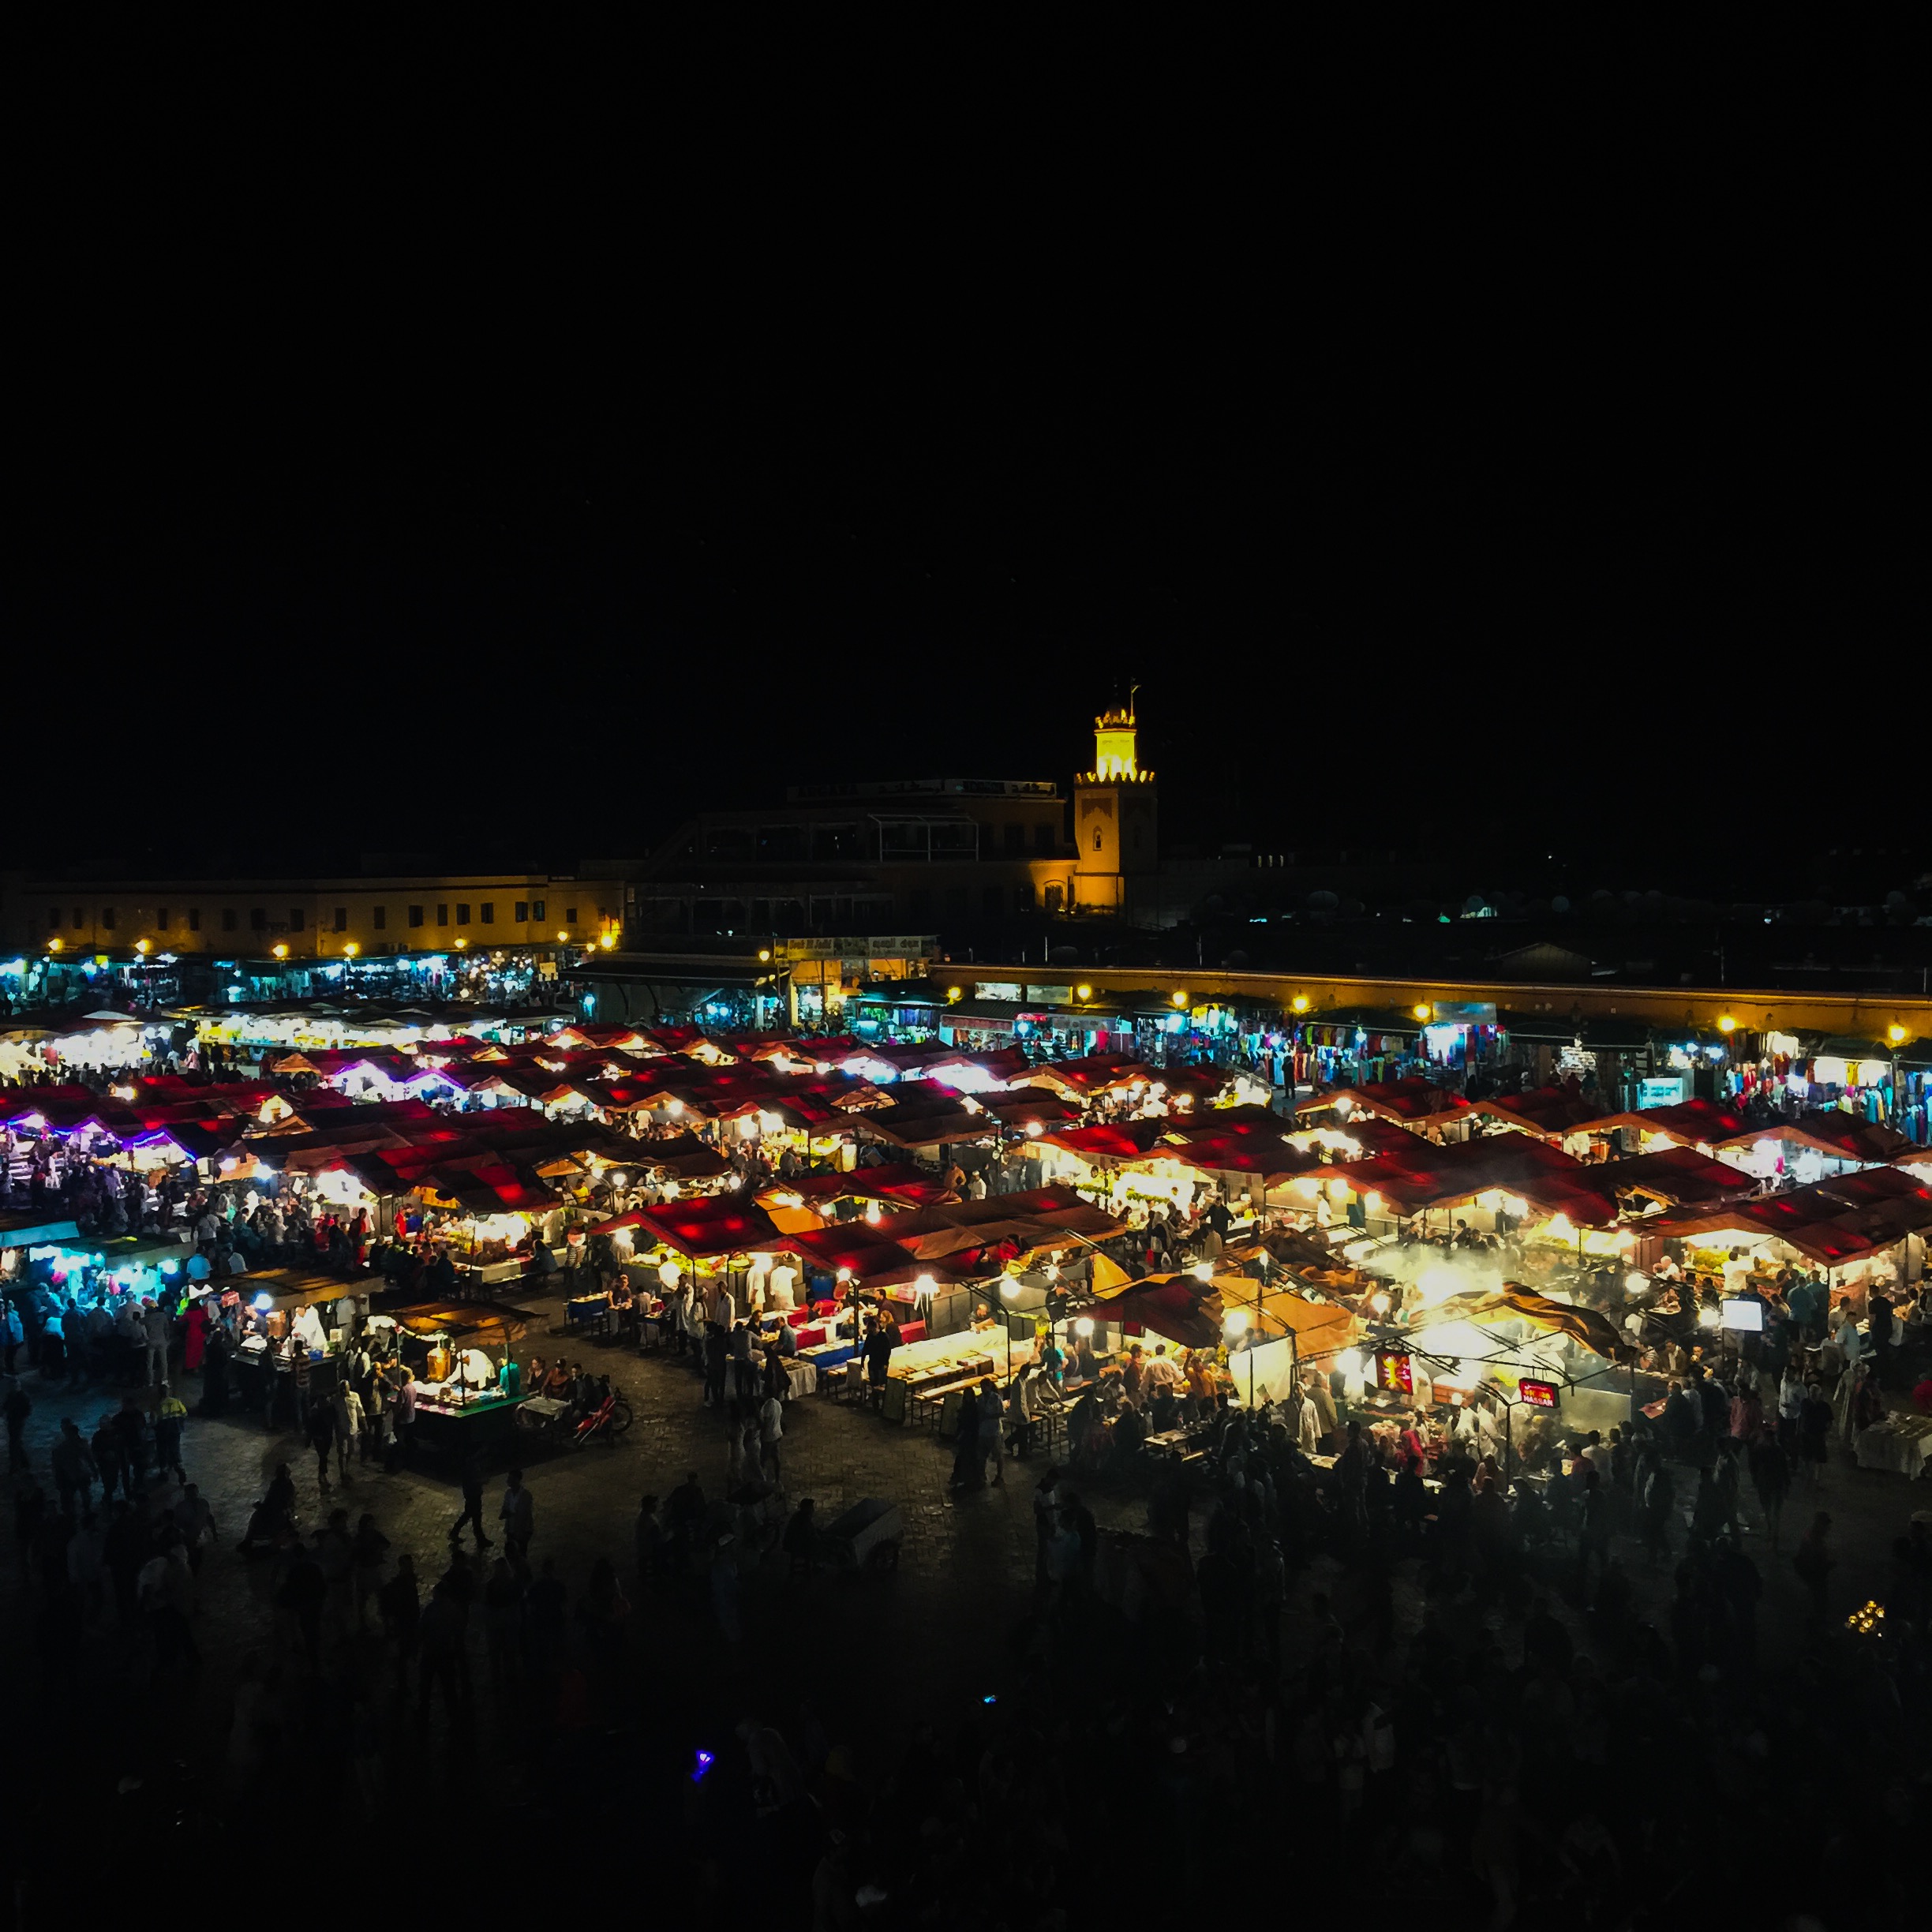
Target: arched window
point(1096, 838)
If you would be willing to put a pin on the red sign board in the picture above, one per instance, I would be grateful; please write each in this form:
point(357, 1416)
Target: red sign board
point(1538, 1394)
point(1393, 1372)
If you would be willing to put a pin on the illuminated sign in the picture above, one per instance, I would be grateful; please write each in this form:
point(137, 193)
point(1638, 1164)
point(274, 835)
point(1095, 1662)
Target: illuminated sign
point(1393, 1372)
point(1537, 1394)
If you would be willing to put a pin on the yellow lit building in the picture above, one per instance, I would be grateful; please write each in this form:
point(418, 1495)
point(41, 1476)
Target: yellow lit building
point(312, 918)
point(1116, 819)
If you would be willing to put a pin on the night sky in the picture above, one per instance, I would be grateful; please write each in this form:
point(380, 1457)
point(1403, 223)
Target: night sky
point(1483, 592)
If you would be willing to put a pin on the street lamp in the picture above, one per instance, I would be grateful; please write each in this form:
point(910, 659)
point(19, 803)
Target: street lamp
point(280, 949)
point(1009, 1288)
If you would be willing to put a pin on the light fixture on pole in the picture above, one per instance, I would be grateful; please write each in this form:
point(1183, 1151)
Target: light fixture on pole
point(1009, 1288)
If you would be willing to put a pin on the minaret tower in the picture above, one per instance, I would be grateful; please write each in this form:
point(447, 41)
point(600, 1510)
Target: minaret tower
point(1116, 822)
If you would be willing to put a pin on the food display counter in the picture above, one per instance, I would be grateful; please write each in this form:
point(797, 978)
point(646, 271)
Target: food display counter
point(935, 1364)
point(251, 1369)
point(454, 1420)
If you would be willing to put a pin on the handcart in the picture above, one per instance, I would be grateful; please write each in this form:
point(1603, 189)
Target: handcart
point(867, 1537)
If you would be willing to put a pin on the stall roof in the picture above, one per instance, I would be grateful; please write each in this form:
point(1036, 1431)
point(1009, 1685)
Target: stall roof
point(1170, 1306)
point(36, 1230)
point(874, 1261)
point(1019, 1106)
point(1111, 1140)
point(1428, 1175)
point(724, 1224)
point(1550, 1112)
point(920, 1123)
point(1820, 1222)
point(1691, 1122)
point(1844, 1136)
point(1675, 1175)
point(894, 1181)
point(1411, 1102)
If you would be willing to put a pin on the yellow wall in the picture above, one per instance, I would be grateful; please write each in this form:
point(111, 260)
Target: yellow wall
point(1760, 1011)
point(302, 915)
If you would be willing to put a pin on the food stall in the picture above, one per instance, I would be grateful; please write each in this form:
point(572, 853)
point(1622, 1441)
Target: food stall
point(456, 1351)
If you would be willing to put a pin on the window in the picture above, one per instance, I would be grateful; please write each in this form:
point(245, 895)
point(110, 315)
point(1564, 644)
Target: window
point(416, 915)
point(53, 918)
point(258, 919)
point(381, 918)
point(342, 918)
point(228, 919)
point(1016, 838)
point(1044, 836)
point(1023, 898)
point(522, 911)
point(161, 920)
point(80, 918)
point(1053, 898)
point(1096, 838)
point(295, 919)
point(537, 908)
point(487, 912)
point(954, 841)
point(992, 898)
point(108, 918)
point(570, 913)
point(462, 913)
point(194, 919)
point(443, 915)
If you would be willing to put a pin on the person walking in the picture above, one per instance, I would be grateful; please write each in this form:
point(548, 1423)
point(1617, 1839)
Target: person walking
point(106, 1447)
point(74, 1469)
point(321, 1433)
point(347, 1406)
point(518, 1517)
point(17, 1407)
point(771, 1433)
point(472, 1480)
point(992, 1432)
point(1814, 1562)
point(367, 1549)
point(154, 1329)
point(1815, 1423)
point(170, 1418)
point(1770, 1473)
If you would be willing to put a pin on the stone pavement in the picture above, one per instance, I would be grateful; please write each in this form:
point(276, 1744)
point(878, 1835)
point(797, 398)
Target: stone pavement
point(875, 1654)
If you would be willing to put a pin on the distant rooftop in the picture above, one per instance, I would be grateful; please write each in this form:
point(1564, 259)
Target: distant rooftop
point(901, 787)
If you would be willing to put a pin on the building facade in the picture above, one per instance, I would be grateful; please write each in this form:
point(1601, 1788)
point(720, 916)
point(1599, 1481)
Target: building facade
point(308, 919)
point(853, 856)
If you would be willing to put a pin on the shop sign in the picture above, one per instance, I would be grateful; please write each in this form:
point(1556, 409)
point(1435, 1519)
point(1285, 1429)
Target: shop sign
point(1393, 1372)
point(1537, 1394)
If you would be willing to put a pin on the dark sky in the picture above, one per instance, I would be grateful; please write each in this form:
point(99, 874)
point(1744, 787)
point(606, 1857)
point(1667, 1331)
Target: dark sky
point(1586, 552)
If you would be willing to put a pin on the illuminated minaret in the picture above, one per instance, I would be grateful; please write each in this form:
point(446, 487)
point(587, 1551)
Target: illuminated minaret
point(1116, 820)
